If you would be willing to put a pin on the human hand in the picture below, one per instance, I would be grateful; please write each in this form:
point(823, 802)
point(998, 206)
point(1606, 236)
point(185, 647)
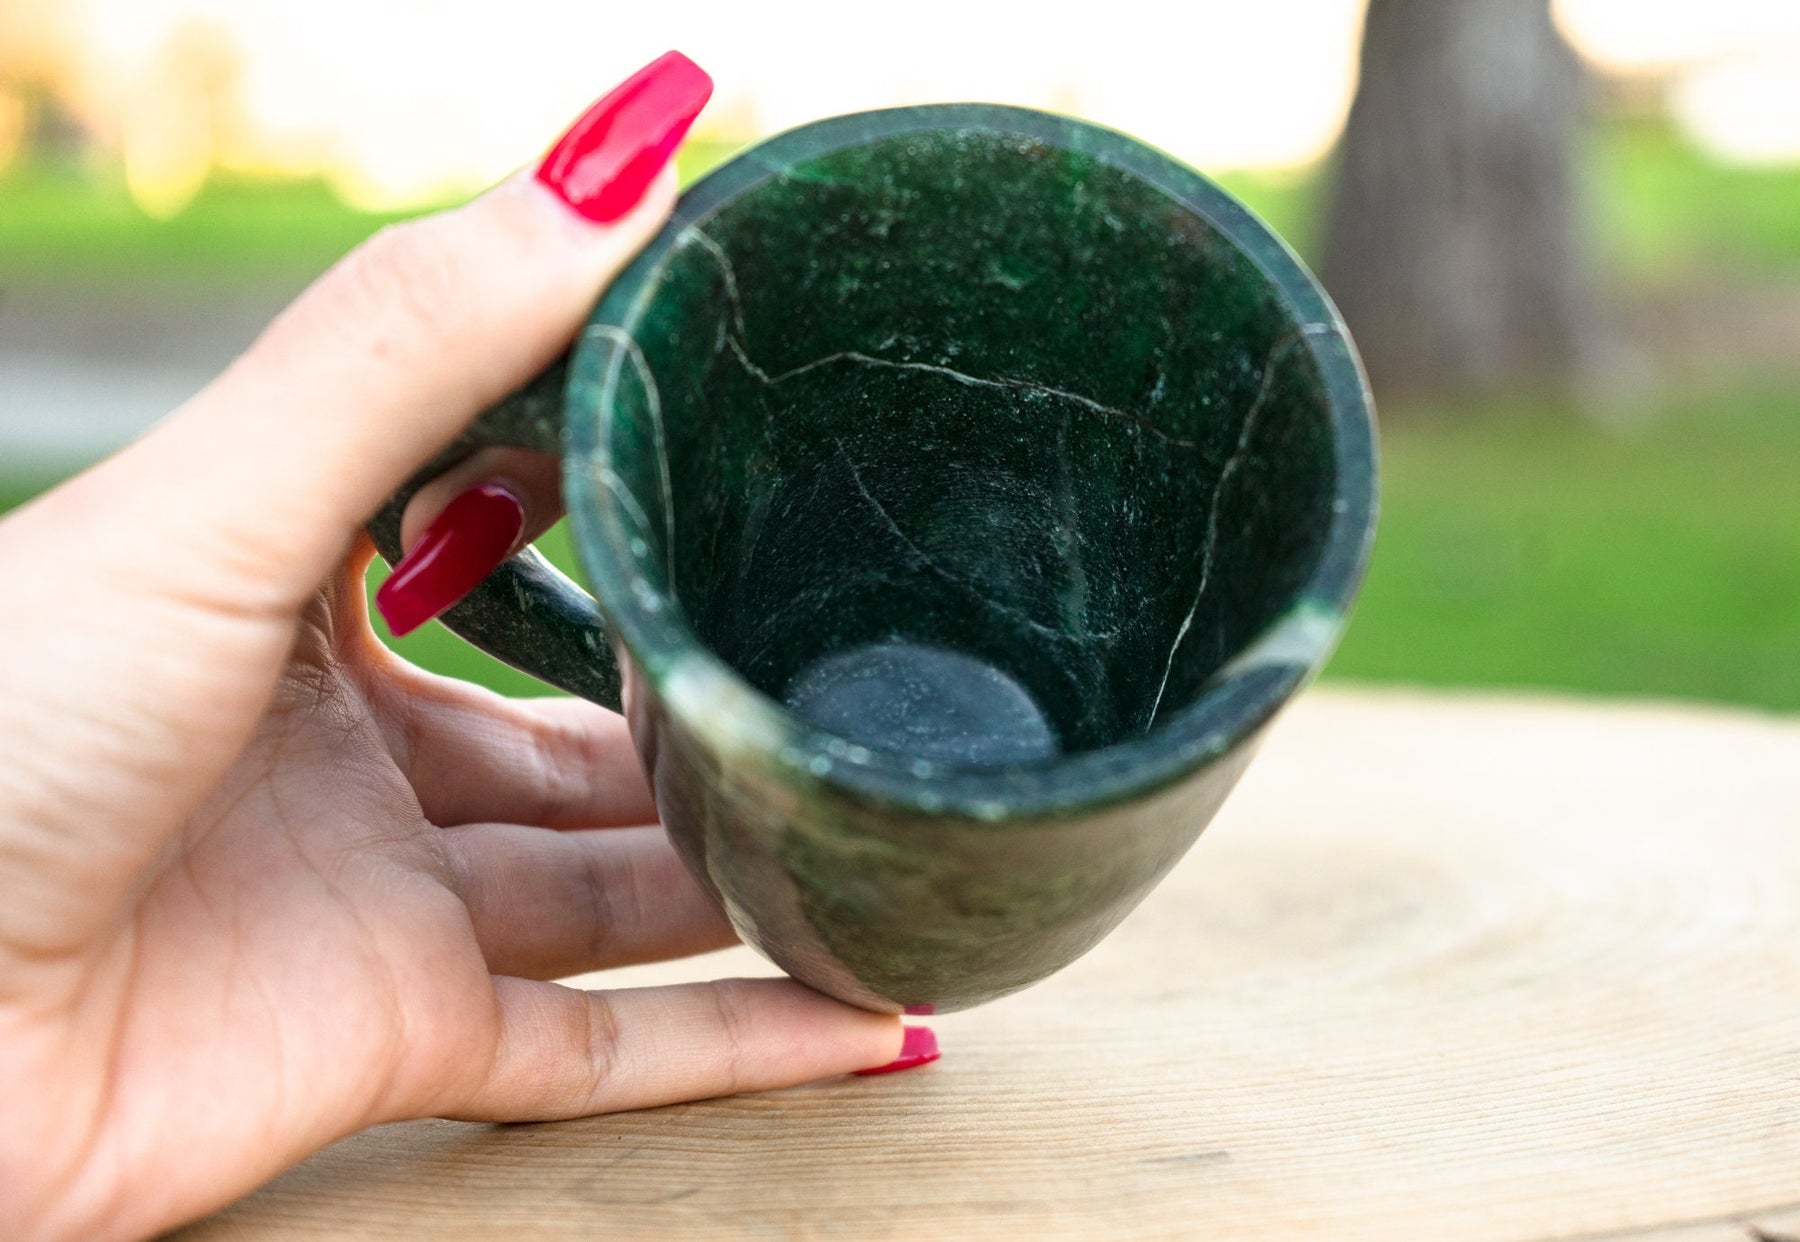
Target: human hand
point(264, 883)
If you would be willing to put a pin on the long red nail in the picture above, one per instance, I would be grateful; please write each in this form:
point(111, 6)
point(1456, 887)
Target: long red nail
point(473, 534)
point(919, 1047)
point(609, 157)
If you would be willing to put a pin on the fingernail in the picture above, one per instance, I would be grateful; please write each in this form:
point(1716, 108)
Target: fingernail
point(920, 1047)
point(473, 534)
point(609, 157)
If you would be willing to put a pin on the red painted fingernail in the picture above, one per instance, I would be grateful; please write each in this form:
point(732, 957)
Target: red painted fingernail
point(609, 157)
point(473, 534)
point(920, 1047)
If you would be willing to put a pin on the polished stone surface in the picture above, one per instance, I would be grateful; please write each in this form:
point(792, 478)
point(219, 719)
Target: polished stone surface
point(964, 488)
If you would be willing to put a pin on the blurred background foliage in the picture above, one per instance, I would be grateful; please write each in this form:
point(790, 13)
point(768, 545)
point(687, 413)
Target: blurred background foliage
point(1622, 518)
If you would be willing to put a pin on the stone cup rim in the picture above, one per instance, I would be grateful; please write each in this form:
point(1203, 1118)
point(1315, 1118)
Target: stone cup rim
point(738, 720)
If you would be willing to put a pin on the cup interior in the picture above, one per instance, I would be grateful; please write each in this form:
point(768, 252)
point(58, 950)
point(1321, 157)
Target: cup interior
point(971, 447)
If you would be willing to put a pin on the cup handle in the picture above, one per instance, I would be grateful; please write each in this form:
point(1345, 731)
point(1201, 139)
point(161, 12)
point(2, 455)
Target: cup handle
point(527, 613)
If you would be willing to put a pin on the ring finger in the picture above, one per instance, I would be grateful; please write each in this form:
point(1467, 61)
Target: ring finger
point(547, 904)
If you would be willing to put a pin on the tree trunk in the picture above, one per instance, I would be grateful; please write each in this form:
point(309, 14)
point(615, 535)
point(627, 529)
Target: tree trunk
point(1453, 243)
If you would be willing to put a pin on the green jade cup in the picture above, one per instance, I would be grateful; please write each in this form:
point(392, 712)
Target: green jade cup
point(962, 489)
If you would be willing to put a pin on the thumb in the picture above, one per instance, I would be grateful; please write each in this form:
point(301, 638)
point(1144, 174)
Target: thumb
point(159, 593)
point(390, 354)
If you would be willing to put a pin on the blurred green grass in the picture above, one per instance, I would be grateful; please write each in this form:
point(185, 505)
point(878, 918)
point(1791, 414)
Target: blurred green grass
point(1662, 212)
point(66, 225)
point(59, 225)
point(1519, 546)
point(1523, 548)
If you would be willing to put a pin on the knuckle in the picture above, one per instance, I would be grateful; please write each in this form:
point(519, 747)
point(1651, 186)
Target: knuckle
point(600, 1048)
point(601, 892)
point(551, 794)
point(564, 756)
point(731, 1006)
point(408, 280)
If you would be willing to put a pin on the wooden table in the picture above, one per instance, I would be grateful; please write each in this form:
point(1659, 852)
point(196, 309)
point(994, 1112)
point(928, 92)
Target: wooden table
point(1444, 968)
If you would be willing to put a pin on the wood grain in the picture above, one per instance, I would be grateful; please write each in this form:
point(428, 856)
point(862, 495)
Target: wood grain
point(1471, 968)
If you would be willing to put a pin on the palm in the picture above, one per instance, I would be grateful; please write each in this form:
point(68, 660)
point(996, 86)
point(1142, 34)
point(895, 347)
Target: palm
point(309, 946)
point(350, 928)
